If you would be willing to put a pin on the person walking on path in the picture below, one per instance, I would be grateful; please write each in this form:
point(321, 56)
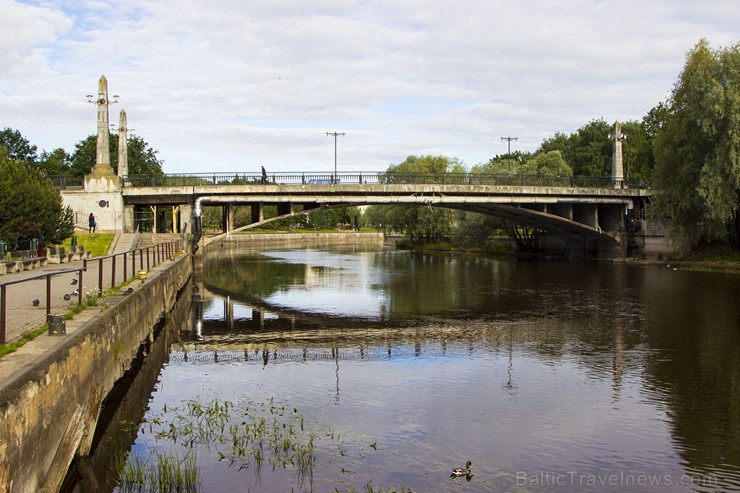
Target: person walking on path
point(91, 224)
point(264, 176)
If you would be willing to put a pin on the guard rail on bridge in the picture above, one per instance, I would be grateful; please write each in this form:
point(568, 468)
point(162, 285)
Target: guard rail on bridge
point(361, 178)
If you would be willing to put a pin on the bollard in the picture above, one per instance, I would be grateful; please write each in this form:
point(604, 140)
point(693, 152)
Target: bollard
point(57, 325)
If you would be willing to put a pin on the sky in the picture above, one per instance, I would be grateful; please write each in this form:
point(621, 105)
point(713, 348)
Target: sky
point(231, 85)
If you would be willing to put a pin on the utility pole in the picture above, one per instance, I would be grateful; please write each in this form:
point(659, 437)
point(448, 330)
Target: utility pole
point(335, 135)
point(509, 139)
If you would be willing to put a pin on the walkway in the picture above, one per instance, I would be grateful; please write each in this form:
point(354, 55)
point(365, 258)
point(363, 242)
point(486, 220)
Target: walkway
point(21, 314)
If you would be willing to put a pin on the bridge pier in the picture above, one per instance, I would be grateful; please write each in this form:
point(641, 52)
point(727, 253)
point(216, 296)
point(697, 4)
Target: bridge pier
point(257, 212)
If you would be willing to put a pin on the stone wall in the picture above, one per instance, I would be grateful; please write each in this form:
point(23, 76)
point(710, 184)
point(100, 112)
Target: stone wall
point(49, 410)
point(295, 239)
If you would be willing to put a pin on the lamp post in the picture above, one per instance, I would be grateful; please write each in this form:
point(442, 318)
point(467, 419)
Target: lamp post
point(509, 139)
point(335, 135)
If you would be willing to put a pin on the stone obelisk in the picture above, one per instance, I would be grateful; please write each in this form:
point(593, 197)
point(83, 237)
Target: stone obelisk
point(122, 146)
point(102, 177)
point(617, 166)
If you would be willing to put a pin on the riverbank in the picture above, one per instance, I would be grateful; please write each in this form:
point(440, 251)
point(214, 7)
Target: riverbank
point(709, 259)
point(724, 262)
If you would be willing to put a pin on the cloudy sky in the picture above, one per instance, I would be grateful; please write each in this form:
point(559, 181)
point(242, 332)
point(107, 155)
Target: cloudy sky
point(229, 85)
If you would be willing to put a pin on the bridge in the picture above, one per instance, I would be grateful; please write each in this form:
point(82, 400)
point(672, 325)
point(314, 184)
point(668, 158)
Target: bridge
point(590, 215)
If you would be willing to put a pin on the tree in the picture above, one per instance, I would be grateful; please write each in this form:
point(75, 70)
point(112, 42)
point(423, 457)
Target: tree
point(142, 159)
point(17, 145)
point(697, 151)
point(55, 163)
point(503, 164)
point(637, 151)
point(418, 222)
point(30, 205)
point(549, 163)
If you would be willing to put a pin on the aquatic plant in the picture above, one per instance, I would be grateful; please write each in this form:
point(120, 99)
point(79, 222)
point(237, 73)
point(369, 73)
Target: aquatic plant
point(160, 473)
point(247, 434)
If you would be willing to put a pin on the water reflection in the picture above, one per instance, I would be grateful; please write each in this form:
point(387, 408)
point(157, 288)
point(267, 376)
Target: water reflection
point(547, 376)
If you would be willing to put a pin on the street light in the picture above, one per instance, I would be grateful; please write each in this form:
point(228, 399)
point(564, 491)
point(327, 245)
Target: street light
point(509, 139)
point(335, 135)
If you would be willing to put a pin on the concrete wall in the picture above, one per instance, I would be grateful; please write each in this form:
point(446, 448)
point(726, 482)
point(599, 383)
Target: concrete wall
point(48, 412)
point(295, 239)
point(654, 241)
point(109, 216)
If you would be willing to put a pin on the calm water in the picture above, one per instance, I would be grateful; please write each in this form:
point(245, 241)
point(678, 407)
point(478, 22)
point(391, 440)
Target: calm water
point(398, 366)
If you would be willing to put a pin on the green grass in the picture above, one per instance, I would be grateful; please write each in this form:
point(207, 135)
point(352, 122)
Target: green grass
point(28, 336)
point(96, 243)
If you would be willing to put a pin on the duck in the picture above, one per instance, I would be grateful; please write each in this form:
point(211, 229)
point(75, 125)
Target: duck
point(461, 471)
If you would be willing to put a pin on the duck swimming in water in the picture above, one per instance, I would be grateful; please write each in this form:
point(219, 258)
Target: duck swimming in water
point(460, 471)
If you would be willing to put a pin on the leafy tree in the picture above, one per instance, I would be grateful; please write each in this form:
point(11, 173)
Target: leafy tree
point(17, 146)
point(473, 229)
point(55, 163)
point(30, 205)
point(637, 151)
point(697, 163)
point(549, 163)
point(418, 222)
point(142, 159)
point(503, 164)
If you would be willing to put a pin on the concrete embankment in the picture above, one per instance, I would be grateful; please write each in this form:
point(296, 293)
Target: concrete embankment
point(296, 239)
point(49, 407)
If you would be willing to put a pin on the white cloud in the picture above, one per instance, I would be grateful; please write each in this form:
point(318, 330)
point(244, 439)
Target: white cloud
point(231, 85)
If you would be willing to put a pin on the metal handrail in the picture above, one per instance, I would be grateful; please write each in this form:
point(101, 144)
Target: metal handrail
point(373, 178)
point(155, 254)
point(48, 275)
point(160, 252)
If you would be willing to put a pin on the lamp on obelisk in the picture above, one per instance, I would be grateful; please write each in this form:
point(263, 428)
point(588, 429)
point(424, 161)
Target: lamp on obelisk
point(617, 166)
point(102, 176)
point(122, 145)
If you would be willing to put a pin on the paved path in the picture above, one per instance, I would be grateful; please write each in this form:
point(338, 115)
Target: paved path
point(21, 314)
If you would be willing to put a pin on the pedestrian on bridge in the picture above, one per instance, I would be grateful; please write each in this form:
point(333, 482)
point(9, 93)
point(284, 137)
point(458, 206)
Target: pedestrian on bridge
point(264, 176)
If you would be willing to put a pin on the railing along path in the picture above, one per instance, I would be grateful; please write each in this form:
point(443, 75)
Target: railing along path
point(24, 305)
point(360, 178)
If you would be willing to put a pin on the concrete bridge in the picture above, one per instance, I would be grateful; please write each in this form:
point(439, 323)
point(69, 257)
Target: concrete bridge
point(582, 215)
point(588, 215)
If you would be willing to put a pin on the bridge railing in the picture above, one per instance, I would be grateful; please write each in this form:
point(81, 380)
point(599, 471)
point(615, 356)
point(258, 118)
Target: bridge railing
point(373, 178)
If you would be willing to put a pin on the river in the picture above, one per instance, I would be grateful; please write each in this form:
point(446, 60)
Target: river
point(328, 369)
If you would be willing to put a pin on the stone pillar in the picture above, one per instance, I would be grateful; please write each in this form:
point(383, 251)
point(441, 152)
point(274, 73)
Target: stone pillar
point(256, 212)
point(122, 146)
point(228, 218)
point(617, 166)
point(101, 177)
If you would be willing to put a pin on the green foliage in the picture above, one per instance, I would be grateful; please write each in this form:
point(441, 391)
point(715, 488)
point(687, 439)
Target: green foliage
point(549, 163)
point(697, 149)
point(17, 146)
point(30, 205)
point(588, 151)
point(503, 165)
point(473, 229)
point(55, 163)
point(142, 159)
point(418, 222)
